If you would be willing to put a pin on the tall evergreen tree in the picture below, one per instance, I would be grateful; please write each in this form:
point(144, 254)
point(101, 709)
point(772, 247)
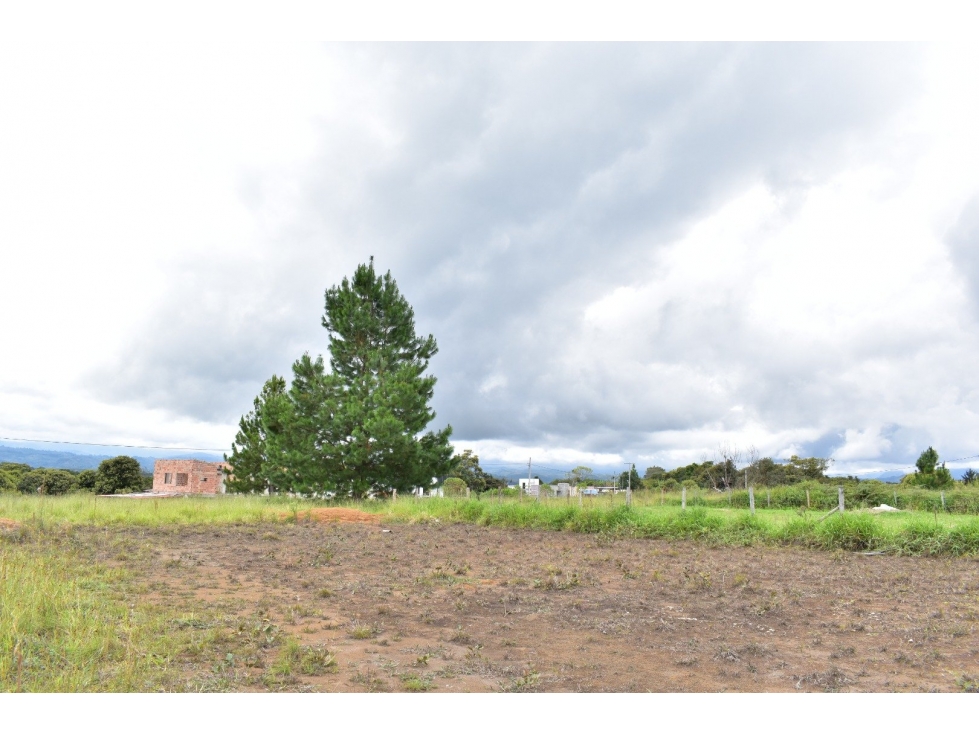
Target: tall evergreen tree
point(355, 429)
point(249, 453)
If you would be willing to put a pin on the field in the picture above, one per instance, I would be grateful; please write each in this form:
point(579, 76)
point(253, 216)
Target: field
point(256, 594)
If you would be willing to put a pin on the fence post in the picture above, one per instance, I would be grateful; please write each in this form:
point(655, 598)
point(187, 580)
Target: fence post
point(683, 497)
point(841, 505)
point(943, 501)
point(751, 498)
point(769, 493)
point(807, 499)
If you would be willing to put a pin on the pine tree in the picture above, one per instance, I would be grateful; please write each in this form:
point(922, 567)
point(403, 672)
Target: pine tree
point(249, 453)
point(356, 429)
point(376, 401)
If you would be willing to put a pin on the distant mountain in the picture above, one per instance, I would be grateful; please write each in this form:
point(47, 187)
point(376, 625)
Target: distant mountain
point(39, 458)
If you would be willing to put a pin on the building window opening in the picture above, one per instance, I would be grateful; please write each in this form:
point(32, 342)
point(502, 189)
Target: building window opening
point(181, 480)
point(168, 478)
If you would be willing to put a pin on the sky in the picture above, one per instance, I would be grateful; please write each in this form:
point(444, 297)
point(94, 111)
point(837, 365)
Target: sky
point(648, 253)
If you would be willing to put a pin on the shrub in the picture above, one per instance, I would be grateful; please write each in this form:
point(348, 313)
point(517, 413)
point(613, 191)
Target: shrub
point(454, 487)
point(87, 480)
point(119, 475)
point(47, 481)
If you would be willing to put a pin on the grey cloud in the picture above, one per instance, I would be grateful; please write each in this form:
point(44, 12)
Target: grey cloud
point(509, 186)
point(963, 241)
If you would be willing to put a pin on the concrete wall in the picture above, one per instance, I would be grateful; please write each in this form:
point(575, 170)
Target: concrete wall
point(195, 477)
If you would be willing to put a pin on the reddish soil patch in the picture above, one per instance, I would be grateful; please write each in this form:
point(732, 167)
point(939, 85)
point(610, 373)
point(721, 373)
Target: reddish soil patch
point(463, 608)
point(7, 524)
point(339, 514)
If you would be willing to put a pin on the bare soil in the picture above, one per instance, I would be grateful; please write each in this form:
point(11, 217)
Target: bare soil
point(463, 608)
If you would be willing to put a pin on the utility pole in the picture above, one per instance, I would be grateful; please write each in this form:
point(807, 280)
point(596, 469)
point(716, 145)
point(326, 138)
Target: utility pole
point(529, 477)
point(628, 491)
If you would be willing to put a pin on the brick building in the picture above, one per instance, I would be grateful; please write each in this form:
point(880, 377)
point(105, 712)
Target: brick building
point(188, 476)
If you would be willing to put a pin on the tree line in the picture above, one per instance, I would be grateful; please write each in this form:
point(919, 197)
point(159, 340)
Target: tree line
point(118, 475)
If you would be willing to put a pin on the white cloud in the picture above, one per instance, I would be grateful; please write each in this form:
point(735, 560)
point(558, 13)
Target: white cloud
point(625, 252)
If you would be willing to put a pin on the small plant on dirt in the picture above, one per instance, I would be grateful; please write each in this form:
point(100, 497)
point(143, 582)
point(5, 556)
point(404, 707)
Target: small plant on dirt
point(264, 633)
point(223, 665)
point(314, 661)
point(461, 637)
point(324, 556)
point(729, 656)
point(529, 681)
point(363, 632)
point(306, 659)
point(416, 684)
point(558, 581)
point(324, 593)
point(370, 680)
point(422, 661)
point(968, 683)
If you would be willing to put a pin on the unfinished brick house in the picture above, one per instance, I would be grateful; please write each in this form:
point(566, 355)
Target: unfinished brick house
point(189, 476)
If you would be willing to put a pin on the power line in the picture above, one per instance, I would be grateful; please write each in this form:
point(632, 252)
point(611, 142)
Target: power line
point(111, 445)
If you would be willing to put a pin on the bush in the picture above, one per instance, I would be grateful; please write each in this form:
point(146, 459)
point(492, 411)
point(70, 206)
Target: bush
point(454, 487)
point(86, 480)
point(121, 474)
point(47, 481)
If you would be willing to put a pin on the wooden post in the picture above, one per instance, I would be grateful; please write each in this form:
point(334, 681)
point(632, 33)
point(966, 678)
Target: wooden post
point(683, 496)
point(581, 499)
point(751, 497)
point(769, 493)
point(807, 499)
point(841, 505)
point(835, 509)
point(943, 501)
point(662, 494)
point(394, 495)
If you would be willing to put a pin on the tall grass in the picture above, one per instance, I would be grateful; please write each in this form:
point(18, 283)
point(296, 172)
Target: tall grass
point(708, 518)
point(86, 509)
point(959, 500)
point(903, 533)
point(63, 629)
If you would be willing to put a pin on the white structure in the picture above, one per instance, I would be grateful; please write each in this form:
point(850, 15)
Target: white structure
point(530, 486)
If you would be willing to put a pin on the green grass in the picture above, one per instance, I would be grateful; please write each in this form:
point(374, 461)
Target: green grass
point(711, 517)
point(86, 509)
point(65, 627)
point(910, 533)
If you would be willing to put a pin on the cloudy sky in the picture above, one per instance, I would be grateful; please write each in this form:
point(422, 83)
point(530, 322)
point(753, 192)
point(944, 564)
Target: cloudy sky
point(627, 252)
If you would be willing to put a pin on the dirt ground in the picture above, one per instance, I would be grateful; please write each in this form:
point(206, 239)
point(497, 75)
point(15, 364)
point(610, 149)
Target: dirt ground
point(461, 608)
